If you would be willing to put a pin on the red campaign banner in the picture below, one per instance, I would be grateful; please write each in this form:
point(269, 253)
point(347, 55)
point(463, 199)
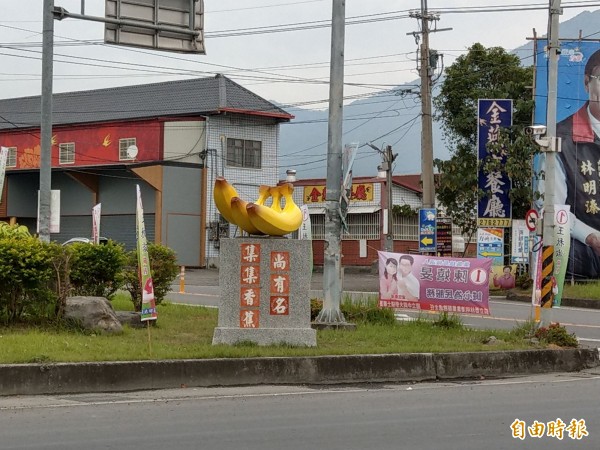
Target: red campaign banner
point(432, 283)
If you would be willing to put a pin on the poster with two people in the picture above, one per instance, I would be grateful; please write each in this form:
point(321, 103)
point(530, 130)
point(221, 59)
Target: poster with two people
point(432, 283)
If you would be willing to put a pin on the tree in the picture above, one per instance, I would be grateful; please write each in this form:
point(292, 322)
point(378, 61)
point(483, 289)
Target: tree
point(483, 73)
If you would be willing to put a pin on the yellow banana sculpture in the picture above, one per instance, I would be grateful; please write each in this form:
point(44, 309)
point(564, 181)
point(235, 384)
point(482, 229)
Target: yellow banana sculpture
point(240, 215)
point(276, 221)
point(256, 218)
point(223, 192)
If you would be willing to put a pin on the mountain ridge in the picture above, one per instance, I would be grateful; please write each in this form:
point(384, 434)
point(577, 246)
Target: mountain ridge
point(391, 118)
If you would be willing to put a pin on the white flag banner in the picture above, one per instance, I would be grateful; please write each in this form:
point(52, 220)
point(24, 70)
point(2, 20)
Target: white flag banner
point(54, 211)
point(96, 212)
point(3, 159)
point(305, 231)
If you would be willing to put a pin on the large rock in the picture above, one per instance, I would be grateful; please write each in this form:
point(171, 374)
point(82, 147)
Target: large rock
point(132, 318)
point(93, 313)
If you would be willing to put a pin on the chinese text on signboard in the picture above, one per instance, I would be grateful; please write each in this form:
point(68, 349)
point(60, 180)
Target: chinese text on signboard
point(494, 208)
point(362, 192)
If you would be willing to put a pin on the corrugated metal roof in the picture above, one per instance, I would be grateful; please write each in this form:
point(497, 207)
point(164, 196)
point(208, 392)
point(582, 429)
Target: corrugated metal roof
point(172, 98)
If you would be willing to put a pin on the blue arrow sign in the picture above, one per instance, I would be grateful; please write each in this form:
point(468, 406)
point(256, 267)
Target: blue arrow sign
point(427, 230)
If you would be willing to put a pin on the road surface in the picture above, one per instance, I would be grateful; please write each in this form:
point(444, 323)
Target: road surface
point(470, 415)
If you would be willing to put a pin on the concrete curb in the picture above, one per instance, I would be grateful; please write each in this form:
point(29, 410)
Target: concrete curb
point(69, 378)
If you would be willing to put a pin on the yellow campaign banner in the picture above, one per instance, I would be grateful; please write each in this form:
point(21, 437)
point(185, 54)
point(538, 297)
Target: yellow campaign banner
point(361, 192)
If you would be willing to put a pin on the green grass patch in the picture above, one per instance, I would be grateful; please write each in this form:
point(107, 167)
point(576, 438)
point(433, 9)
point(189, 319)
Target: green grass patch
point(581, 289)
point(589, 290)
point(186, 332)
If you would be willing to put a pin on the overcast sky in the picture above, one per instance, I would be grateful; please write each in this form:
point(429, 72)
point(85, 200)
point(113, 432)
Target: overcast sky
point(379, 53)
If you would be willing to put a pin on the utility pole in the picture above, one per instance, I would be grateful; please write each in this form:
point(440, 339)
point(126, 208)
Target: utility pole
point(46, 121)
point(388, 159)
point(331, 313)
point(389, 239)
point(548, 223)
point(426, 71)
point(426, 122)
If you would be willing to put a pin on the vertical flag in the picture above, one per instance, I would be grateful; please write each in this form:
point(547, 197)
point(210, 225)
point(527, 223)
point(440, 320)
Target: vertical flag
point(562, 245)
point(536, 258)
point(96, 212)
point(305, 231)
point(3, 158)
point(348, 155)
point(148, 304)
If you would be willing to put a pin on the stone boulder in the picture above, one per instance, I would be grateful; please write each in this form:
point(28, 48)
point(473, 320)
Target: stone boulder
point(93, 313)
point(132, 318)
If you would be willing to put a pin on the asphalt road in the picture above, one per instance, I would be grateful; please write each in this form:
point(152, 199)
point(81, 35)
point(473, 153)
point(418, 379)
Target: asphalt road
point(467, 415)
point(202, 288)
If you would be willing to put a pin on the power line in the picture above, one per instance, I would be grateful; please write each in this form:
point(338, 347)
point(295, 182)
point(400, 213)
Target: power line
point(263, 6)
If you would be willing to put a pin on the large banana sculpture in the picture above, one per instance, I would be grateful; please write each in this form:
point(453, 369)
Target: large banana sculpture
point(240, 215)
point(276, 221)
point(223, 192)
point(256, 218)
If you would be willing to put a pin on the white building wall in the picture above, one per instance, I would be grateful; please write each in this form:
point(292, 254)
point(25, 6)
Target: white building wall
point(402, 196)
point(246, 181)
point(184, 141)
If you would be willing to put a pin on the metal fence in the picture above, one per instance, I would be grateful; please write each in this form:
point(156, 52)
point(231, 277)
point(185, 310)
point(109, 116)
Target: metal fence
point(360, 226)
point(405, 228)
point(367, 226)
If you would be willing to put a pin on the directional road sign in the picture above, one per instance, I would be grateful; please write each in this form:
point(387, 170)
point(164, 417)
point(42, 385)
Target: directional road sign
point(427, 229)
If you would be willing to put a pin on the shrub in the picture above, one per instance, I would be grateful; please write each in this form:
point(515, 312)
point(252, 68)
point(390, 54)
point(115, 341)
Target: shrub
point(525, 329)
point(26, 276)
point(96, 270)
point(15, 231)
point(315, 308)
point(163, 268)
point(448, 321)
point(367, 311)
point(524, 281)
point(558, 335)
point(362, 312)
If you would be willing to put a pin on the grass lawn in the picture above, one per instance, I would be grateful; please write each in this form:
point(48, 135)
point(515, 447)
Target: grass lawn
point(588, 290)
point(186, 332)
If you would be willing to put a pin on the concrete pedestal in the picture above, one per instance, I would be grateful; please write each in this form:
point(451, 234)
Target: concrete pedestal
point(265, 286)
